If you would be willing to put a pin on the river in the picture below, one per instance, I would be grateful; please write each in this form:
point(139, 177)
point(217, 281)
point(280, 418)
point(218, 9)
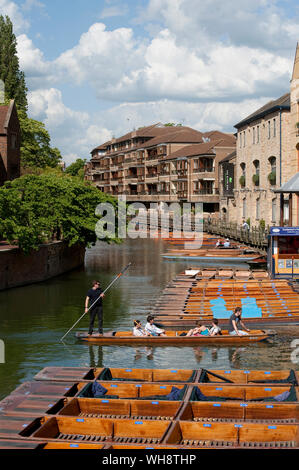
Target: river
point(34, 318)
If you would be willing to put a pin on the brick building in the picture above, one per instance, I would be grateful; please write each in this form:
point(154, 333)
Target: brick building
point(10, 141)
point(162, 164)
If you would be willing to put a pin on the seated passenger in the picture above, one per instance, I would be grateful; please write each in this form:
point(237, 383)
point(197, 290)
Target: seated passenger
point(200, 330)
point(226, 243)
point(152, 329)
point(138, 330)
point(215, 330)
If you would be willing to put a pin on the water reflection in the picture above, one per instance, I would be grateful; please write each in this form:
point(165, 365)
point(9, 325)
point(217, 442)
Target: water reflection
point(34, 318)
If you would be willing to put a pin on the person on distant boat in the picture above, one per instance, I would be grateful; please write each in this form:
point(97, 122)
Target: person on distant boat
point(199, 330)
point(218, 243)
point(234, 321)
point(152, 329)
point(226, 243)
point(138, 330)
point(94, 298)
point(215, 330)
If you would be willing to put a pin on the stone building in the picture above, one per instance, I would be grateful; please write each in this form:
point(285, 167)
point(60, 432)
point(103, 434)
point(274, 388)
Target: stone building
point(266, 158)
point(10, 141)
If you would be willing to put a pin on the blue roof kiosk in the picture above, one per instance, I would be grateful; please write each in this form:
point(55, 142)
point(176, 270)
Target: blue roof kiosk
point(283, 252)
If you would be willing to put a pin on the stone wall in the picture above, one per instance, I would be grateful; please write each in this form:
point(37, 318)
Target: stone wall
point(17, 269)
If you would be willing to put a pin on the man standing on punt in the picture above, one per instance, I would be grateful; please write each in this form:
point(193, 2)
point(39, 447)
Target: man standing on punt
point(94, 298)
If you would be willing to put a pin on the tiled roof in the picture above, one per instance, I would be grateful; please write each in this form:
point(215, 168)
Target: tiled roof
point(229, 157)
point(207, 148)
point(274, 105)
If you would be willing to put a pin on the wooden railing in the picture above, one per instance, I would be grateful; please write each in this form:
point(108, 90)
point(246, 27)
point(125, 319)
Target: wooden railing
point(254, 236)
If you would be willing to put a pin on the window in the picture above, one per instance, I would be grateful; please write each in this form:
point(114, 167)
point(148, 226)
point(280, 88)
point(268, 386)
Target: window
point(257, 134)
point(272, 174)
point(240, 138)
point(274, 127)
point(253, 135)
point(269, 129)
point(244, 208)
point(244, 138)
point(256, 174)
point(273, 210)
point(257, 213)
point(13, 141)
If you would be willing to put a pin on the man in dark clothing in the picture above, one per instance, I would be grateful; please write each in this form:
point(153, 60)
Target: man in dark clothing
point(234, 321)
point(94, 298)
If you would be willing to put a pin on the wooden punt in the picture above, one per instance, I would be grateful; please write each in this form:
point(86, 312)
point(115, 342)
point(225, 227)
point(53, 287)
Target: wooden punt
point(173, 337)
point(15, 444)
point(217, 435)
point(121, 374)
point(65, 374)
point(117, 409)
point(143, 391)
point(279, 377)
point(266, 393)
point(232, 411)
point(98, 430)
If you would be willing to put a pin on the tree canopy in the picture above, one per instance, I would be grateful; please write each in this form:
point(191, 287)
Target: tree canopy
point(76, 168)
point(36, 150)
point(13, 78)
point(36, 209)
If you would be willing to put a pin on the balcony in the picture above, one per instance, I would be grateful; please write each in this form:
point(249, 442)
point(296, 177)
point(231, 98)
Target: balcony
point(204, 170)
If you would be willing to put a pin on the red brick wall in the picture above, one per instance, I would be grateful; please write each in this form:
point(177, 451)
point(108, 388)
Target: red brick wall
point(50, 260)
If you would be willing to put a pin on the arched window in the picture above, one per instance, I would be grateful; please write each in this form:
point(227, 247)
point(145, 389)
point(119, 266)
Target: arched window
point(244, 208)
point(256, 174)
point(242, 179)
point(272, 174)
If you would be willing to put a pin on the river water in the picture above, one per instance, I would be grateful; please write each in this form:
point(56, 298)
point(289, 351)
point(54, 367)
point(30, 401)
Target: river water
point(34, 318)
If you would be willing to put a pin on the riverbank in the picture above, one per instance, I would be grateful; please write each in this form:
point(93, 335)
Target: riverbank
point(52, 259)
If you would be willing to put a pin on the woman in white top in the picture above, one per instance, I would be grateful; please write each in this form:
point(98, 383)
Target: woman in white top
point(153, 329)
point(215, 330)
point(138, 330)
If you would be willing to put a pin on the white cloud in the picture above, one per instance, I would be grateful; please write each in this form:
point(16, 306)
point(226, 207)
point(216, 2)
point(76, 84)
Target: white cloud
point(206, 64)
point(109, 12)
point(12, 10)
point(75, 133)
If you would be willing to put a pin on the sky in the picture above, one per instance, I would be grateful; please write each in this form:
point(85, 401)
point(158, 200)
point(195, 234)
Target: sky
point(98, 69)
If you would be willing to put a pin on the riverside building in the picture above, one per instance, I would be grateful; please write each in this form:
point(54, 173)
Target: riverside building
point(161, 163)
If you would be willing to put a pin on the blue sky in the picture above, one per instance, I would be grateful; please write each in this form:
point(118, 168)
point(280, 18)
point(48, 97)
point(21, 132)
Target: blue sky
point(100, 68)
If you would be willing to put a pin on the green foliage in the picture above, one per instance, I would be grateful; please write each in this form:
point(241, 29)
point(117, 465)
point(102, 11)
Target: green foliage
point(242, 181)
point(262, 224)
point(256, 179)
point(76, 168)
point(35, 148)
point(272, 177)
point(248, 221)
point(36, 209)
point(13, 78)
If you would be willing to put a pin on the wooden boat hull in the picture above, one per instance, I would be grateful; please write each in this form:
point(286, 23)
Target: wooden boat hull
point(223, 259)
point(175, 339)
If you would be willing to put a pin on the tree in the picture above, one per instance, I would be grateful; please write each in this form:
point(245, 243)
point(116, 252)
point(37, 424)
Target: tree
point(13, 78)
point(36, 209)
point(35, 147)
point(75, 169)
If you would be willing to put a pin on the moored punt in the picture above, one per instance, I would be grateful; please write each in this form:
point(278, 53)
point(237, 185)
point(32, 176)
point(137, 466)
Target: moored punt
point(263, 302)
point(98, 430)
point(175, 337)
point(236, 435)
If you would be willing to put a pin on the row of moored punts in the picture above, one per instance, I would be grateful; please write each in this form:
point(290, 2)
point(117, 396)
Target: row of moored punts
point(113, 408)
point(188, 299)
